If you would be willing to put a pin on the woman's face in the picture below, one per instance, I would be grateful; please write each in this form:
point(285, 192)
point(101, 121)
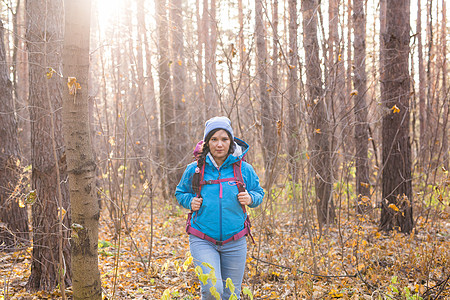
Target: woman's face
point(219, 144)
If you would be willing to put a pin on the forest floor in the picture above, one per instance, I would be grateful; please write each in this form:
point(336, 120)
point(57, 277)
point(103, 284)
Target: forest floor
point(290, 260)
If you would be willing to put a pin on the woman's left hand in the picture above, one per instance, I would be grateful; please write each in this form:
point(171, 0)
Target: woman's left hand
point(244, 198)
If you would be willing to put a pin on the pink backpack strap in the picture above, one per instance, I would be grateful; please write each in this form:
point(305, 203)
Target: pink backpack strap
point(237, 169)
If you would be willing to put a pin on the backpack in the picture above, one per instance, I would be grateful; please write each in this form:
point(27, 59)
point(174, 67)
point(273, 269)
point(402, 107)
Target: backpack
point(237, 170)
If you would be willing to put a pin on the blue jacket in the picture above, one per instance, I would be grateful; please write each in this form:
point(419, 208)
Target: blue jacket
point(220, 218)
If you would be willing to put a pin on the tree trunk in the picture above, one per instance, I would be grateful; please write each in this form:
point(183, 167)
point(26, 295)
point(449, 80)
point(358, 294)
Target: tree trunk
point(44, 36)
point(396, 210)
point(293, 132)
point(80, 158)
point(319, 124)
point(165, 97)
point(210, 35)
point(422, 83)
point(445, 93)
point(13, 212)
point(179, 79)
point(360, 106)
point(268, 133)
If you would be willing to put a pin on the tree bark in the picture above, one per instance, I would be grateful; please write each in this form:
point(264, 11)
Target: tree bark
point(167, 116)
point(44, 41)
point(210, 36)
point(13, 212)
point(319, 124)
point(360, 106)
point(396, 209)
point(293, 98)
point(445, 93)
point(80, 159)
point(178, 87)
point(268, 133)
point(422, 83)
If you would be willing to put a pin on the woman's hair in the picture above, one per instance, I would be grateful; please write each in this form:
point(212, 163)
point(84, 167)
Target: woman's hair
point(201, 158)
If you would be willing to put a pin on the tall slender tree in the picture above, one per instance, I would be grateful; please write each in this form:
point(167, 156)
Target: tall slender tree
point(44, 40)
point(293, 128)
point(12, 212)
point(210, 38)
point(396, 209)
point(80, 159)
point(319, 130)
point(445, 91)
point(178, 87)
point(422, 85)
point(167, 116)
point(360, 106)
point(268, 132)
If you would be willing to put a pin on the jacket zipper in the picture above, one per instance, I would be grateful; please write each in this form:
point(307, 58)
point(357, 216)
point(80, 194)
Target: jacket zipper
point(220, 209)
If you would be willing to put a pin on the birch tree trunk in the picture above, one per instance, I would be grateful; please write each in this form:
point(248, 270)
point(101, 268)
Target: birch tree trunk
point(80, 159)
point(396, 209)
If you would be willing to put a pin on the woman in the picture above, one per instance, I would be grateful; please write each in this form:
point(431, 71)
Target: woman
point(218, 207)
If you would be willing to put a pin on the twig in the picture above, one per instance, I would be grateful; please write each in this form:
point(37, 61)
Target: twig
point(443, 283)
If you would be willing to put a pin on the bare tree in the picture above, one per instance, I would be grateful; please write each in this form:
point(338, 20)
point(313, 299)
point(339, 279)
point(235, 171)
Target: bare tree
point(422, 84)
point(210, 37)
point(360, 106)
point(293, 97)
point(268, 129)
point(80, 159)
point(319, 130)
point(396, 209)
point(44, 40)
point(167, 116)
point(445, 92)
point(13, 212)
point(178, 87)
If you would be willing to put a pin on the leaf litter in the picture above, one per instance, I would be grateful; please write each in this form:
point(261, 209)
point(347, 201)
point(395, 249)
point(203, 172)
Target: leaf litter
point(349, 260)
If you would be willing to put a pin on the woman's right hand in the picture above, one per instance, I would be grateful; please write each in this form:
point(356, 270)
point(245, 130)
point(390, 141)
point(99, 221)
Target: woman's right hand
point(196, 203)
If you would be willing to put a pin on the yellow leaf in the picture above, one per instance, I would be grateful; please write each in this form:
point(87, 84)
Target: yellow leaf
point(214, 292)
point(291, 67)
point(364, 184)
point(73, 85)
point(354, 93)
point(393, 207)
point(63, 212)
point(307, 156)
point(21, 204)
point(365, 199)
point(50, 73)
point(395, 109)
point(180, 62)
point(246, 291)
point(229, 284)
point(318, 130)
